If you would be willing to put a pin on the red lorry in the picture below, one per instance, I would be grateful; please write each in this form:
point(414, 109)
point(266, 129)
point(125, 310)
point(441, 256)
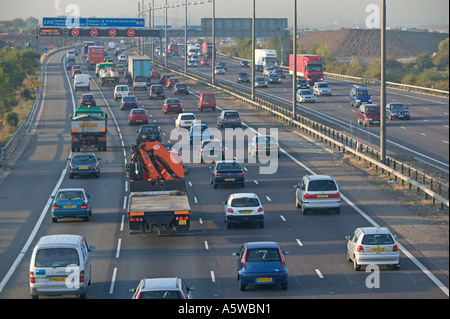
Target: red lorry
point(309, 66)
point(96, 55)
point(207, 50)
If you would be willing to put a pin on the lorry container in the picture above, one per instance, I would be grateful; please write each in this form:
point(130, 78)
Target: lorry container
point(207, 50)
point(265, 58)
point(139, 66)
point(88, 128)
point(109, 75)
point(95, 55)
point(157, 198)
point(309, 67)
point(86, 45)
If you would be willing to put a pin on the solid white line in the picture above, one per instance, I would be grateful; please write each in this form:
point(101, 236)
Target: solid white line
point(125, 202)
point(213, 278)
point(113, 281)
point(119, 243)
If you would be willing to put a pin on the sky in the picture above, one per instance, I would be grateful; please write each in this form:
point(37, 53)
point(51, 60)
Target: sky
point(317, 14)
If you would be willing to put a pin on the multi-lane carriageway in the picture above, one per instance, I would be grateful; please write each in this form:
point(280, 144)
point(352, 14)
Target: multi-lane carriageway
point(317, 262)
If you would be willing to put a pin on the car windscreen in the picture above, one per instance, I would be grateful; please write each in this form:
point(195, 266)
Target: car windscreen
point(377, 239)
point(372, 111)
point(228, 166)
point(56, 257)
point(322, 185)
point(263, 255)
point(231, 115)
point(188, 117)
point(80, 159)
point(160, 294)
point(70, 195)
point(244, 202)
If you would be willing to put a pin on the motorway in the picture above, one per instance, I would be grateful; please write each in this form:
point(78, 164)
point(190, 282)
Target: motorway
point(317, 263)
point(424, 137)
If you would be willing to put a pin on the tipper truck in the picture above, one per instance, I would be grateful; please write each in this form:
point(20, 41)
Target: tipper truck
point(309, 66)
point(109, 75)
point(139, 67)
point(96, 55)
point(157, 198)
point(88, 128)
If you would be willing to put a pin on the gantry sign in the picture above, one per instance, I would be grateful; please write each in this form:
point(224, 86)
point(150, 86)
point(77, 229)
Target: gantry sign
point(95, 27)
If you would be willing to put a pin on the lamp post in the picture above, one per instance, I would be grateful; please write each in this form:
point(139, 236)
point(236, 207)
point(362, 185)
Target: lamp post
point(253, 48)
point(294, 55)
point(383, 84)
point(213, 75)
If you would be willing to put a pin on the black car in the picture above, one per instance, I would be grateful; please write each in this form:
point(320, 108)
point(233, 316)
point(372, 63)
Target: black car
point(273, 78)
point(227, 172)
point(302, 84)
point(87, 99)
point(243, 77)
point(156, 91)
point(229, 118)
point(244, 64)
point(222, 64)
point(148, 133)
point(84, 164)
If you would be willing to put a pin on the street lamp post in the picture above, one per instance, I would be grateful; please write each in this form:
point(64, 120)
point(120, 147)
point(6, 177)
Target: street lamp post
point(383, 84)
point(253, 48)
point(213, 75)
point(294, 73)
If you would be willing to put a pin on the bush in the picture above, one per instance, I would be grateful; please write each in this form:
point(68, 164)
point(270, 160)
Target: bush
point(12, 118)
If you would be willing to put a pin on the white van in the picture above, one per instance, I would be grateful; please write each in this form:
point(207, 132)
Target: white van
point(120, 91)
point(60, 265)
point(82, 81)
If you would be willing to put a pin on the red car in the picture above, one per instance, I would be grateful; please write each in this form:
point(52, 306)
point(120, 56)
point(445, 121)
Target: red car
point(155, 74)
point(138, 116)
point(171, 82)
point(164, 78)
point(204, 62)
point(172, 105)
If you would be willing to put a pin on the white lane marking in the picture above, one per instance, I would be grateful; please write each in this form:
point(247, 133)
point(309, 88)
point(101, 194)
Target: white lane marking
point(119, 243)
point(213, 278)
point(206, 245)
point(122, 222)
point(282, 218)
point(299, 242)
point(319, 274)
point(113, 281)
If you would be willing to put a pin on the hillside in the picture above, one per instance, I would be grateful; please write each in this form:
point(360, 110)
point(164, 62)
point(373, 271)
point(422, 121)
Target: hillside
point(346, 43)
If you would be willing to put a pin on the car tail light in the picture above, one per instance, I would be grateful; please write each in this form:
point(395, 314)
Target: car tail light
point(238, 119)
point(224, 119)
point(244, 259)
point(309, 196)
point(72, 168)
point(94, 168)
point(395, 248)
point(283, 262)
point(241, 174)
point(182, 217)
point(55, 206)
point(82, 276)
point(84, 205)
point(337, 195)
point(360, 248)
point(32, 278)
point(256, 147)
point(260, 210)
point(218, 174)
point(230, 210)
point(202, 150)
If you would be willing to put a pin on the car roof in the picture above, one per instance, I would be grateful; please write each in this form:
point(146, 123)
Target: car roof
point(261, 244)
point(241, 195)
point(319, 177)
point(51, 240)
point(160, 284)
point(375, 230)
point(82, 154)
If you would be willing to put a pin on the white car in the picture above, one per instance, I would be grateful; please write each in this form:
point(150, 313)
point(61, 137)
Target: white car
point(305, 95)
point(219, 70)
point(122, 58)
point(373, 246)
point(185, 120)
point(121, 91)
point(243, 208)
point(321, 88)
point(191, 63)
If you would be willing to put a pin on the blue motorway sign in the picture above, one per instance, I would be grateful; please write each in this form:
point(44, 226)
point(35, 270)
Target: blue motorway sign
point(76, 22)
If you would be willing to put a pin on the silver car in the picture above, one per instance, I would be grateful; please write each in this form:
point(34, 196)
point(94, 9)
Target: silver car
point(318, 192)
point(373, 246)
point(305, 95)
point(321, 88)
point(243, 208)
point(162, 288)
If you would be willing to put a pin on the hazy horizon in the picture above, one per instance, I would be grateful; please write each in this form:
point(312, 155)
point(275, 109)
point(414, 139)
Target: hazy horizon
point(319, 14)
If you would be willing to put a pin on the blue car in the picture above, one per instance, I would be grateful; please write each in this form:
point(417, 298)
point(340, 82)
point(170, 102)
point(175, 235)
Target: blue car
point(71, 203)
point(199, 132)
point(128, 102)
point(261, 263)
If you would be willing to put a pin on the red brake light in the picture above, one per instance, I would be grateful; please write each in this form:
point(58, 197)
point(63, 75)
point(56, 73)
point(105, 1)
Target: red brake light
point(260, 210)
point(282, 258)
point(395, 248)
point(55, 206)
point(230, 210)
point(244, 259)
point(82, 276)
point(359, 248)
point(218, 174)
point(337, 195)
point(308, 196)
point(32, 278)
point(84, 205)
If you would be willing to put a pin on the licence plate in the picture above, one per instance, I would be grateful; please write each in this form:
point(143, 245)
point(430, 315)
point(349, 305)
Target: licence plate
point(377, 249)
point(229, 179)
point(264, 279)
point(70, 206)
point(187, 123)
point(322, 196)
point(57, 279)
point(83, 167)
point(246, 212)
point(182, 222)
point(138, 120)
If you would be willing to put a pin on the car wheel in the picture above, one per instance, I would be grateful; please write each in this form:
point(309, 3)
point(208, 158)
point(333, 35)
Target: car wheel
point(304, 210)
point(337, 210)
point(261, 224)
point(214, 185)
point(396, 266)
point(297, 203)
point(241, 286)
point(356, 267)
point(54, 220)
point(284, 286)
